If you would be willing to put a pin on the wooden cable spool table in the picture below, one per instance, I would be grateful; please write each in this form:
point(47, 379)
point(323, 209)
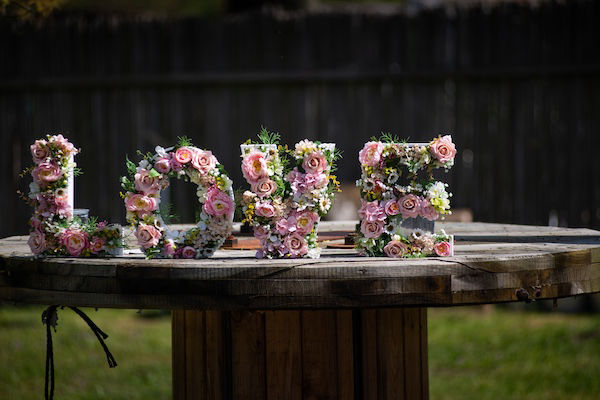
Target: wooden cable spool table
point(338, 327)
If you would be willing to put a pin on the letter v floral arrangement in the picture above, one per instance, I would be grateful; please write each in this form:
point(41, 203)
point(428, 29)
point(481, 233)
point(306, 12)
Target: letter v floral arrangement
point(53, 229)
point(144, 183)
point(290, 191)
point(386, 202)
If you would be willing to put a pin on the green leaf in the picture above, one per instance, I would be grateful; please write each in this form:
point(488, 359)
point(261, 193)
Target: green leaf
point(153, 173)
point(184, 141)
point(131, 168)
point(267, 137)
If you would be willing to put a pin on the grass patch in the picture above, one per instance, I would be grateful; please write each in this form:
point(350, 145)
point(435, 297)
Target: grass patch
point(474, 353)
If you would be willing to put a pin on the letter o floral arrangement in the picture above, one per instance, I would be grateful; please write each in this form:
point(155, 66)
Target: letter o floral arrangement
point(53, 229)
point(142, 198)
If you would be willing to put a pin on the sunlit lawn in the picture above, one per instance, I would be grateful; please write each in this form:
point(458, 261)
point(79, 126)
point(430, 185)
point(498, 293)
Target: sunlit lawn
point(473, 354)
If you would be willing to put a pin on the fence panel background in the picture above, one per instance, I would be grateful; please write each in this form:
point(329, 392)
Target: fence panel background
point(518, 87)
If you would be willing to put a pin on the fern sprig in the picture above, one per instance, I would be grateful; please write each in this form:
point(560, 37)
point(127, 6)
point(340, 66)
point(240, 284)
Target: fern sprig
point(184, 141)
point(267, 137)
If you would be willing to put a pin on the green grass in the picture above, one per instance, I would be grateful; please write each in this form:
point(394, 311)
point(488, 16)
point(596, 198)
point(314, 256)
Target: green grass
point(473, 354)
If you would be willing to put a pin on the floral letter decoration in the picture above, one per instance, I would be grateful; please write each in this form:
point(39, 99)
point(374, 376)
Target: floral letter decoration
point(54, 230)
point(142, 198)
point(392, 194)
point(290, 191)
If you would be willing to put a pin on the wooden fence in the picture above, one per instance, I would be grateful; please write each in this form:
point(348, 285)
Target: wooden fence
point(518, 87)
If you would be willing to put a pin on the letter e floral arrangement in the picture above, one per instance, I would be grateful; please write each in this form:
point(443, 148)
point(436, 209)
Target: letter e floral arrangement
point(386, 202)
point(290, 190)
point(53, 229)
point(144, 183)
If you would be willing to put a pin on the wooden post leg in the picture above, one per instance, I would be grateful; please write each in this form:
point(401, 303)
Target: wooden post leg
point(325, 354)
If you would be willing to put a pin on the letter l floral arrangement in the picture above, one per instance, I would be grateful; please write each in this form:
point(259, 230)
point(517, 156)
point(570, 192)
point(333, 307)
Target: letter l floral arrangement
point(290, 191)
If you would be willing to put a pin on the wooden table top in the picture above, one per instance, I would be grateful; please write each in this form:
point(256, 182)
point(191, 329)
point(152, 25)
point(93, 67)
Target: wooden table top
point(492, 263)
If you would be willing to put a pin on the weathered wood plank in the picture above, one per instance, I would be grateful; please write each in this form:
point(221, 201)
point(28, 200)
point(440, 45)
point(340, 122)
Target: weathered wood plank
point(283, 355)
point(319, 359)
point(248, 355)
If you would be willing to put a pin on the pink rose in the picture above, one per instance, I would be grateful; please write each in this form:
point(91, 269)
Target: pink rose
point(254, 166)
point(443, 149)
point(314, 163)
point(391, 207)
point(371, 211)
point(285, 226)
point(204, 161)
point(75, 241)
point(37, 242)
point(46, 172)
point(371, 154)
point(163, 165)
point(305, 221)
point(265, 209)
point(147, 235)
point(395, 249)
point(188, 252)
point(140, 202)
point(261, 233)
point(372, 229)
point(316, 181)
point(146, 184)
point(296, 245)
point(218, 202)
point(264, 187)
point(427, 210)
point(169, 248)
point(175, 165)
point(184, 155)
point(410, 206)
point(97, 244)
point(39, 151)
point(443, 249)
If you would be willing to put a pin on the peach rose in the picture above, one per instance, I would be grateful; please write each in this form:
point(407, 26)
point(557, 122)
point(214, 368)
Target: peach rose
point(39, 151)
point(97, 244)
point(264, 187)
point(265, 209)
point(443, 249)
point(296, 245)
point(75, 241)
point(147, 235)
point(46, 172)
point(443, 149)
point(218, 202)
point(372, 229)
point(395, 249)
point(371, 154)
point(140, 202)
point(315, 162)
point(410, 206)
point(37, 242)
point(254, 166)
point(145, 183)
point(204, 161)
point(184, 155)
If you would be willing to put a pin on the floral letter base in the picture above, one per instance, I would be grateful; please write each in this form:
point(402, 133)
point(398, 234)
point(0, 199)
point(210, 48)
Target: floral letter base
point(144, 183)
point(395, 201)
point(54, 230)
point(290, 192)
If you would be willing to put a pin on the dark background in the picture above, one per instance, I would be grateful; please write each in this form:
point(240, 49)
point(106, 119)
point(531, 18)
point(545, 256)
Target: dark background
point(517, 86)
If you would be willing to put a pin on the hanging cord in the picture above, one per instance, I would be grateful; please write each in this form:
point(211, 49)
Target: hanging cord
point(50, 319)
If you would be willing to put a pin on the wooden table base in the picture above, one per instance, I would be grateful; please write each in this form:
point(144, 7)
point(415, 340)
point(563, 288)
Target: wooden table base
point(326, 354)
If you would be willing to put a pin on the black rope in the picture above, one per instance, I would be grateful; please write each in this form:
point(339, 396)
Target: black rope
point(50, 318)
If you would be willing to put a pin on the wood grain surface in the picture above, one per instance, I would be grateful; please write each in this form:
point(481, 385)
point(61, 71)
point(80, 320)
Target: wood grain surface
point(491, 263)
